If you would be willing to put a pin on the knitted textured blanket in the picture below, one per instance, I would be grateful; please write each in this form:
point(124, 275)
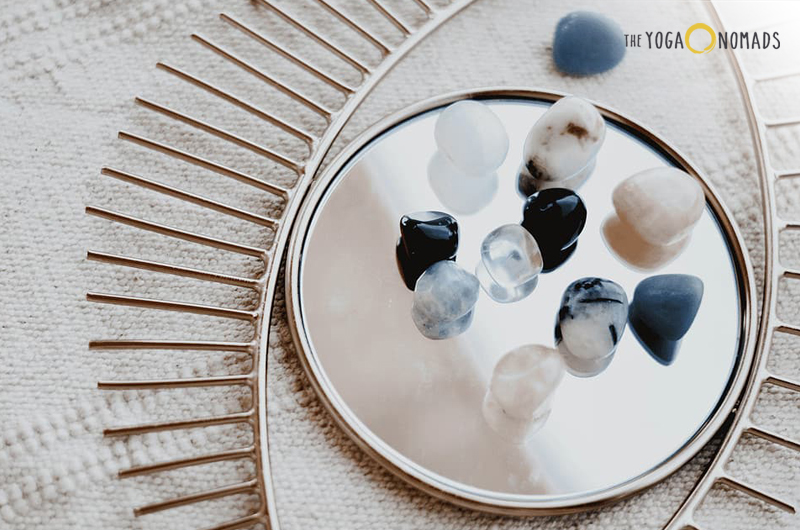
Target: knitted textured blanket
point(69, 70)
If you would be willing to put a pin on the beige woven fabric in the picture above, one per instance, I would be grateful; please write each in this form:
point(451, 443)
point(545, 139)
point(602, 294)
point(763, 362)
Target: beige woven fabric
point(68, 72)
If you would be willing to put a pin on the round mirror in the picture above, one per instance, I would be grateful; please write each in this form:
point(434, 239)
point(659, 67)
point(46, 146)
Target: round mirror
point(416, 404)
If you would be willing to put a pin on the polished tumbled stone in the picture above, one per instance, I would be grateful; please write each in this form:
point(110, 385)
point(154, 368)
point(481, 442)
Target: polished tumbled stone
point(472, 137)
point(590, 324)
point(458, 192)
point(510, 264)
point(562, 145)
point(661, 204)
point(662, 312)
point(520, 393)
point(587, 43)
point(556, 258)
point(555, 217)
point(425, 238)
point(444, 299)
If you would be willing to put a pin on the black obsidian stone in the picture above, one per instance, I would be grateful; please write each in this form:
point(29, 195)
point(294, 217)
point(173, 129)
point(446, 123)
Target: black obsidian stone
point(663, 309)
point(425, 238)
point(554, 258)
point(555, 218)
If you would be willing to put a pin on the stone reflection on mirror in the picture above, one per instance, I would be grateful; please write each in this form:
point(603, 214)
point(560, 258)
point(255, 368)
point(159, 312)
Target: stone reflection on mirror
point(460, 192)
point(629, 247)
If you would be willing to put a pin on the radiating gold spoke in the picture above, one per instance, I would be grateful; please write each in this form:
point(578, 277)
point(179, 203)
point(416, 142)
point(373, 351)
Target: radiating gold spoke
point(243, 522)
point(234, 489)
point(226, 419)
point(241, 347)
point(242, 104)
point(773, 437)
point(754, 492)
point(315, 37)
point(204, 163)
point(260, 74)
point(175, 270)
point(235, 454)
point(227, 380)
point(388, 15)
point(295, 166)
point(182, 307)
point(425, 7)
point(283, 52)
point(190, 197)
point(176, 232)
point(372, 39)
point(783, 382)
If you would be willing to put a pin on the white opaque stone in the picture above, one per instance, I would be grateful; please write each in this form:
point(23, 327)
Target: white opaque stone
point(510, 263)
point(564, 142)
point(458, 191)
point(628, 246)
point(472, 137)
point(519, 397)
point(444, 298)
point(662, 204)
point(591, 320)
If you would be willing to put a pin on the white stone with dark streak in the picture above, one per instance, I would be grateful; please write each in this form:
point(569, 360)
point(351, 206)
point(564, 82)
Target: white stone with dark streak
point(562, 145)
point(590, 324)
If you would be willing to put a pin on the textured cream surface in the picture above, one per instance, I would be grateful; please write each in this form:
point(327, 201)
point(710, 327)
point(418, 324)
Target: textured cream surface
point(68, 73)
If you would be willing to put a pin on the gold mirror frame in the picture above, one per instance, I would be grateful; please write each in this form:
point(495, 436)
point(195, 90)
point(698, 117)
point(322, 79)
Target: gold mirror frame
point(460, 494)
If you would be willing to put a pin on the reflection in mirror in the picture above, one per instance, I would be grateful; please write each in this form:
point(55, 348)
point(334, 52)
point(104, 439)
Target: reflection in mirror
point(438, 409)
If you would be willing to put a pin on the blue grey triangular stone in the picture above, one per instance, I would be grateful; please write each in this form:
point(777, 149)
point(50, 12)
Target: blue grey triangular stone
point(667, 304)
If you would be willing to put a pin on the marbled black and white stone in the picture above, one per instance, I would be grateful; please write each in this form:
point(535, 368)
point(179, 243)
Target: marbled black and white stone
point(562, 145)
point(663, 309)
point(590, 324)
point(555, 217)
point(587, 43)
point(425, 238)
point(519, 398)
point(510, 264)
point(444, 299)
point(472, 137)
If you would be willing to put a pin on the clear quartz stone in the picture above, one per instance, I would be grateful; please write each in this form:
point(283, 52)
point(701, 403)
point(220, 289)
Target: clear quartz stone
point(444, 299)
point(510, 263)
point(472, 137)
point(520, 394)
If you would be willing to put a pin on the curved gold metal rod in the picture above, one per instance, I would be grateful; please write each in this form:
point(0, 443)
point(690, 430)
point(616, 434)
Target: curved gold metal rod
point(265, 283)
point(769, 324)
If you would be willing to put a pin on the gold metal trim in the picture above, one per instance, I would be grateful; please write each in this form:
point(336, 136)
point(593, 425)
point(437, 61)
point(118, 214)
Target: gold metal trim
point(265, 282)
point(472, 497)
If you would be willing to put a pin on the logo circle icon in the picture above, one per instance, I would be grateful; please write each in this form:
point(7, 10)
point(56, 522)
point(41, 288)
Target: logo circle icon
point(710, 31)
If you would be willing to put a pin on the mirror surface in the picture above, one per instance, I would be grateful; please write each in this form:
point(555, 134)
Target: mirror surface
point(422, 399)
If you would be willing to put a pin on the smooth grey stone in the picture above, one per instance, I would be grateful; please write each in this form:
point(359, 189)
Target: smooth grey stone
point(667, 304)
point(587, 43)
point(663, 309)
